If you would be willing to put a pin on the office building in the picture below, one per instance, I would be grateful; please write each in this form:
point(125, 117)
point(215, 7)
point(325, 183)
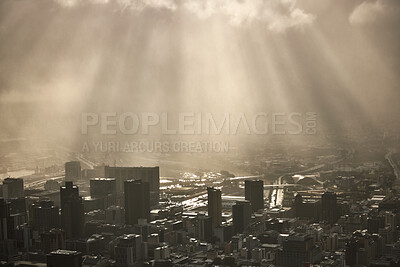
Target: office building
point(137, 201)
point(254, 192)
point(329, 207)
point(297, 250)
point(214, 206)
point(102, 187)
point(203, 228)
point(73, 171)
point(115, 215)
point(72, 211)
point(13, 188)
point(241, 214)
point(146, 174)
point(64, 258)
point(8, 242)
point(128, 250)
point(44, 216)
point(52, 240)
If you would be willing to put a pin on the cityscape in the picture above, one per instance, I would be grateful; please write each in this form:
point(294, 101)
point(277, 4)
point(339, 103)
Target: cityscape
point(309, 206)
point(152, 133)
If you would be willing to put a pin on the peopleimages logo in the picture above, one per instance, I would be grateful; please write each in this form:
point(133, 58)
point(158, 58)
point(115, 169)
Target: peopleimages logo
point(190, 123)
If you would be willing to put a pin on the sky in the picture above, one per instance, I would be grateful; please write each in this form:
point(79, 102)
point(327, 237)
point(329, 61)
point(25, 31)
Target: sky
point(58, 58)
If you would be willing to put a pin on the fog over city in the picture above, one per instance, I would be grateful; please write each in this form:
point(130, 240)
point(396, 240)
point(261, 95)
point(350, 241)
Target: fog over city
point(339, 59)
point(199, 133)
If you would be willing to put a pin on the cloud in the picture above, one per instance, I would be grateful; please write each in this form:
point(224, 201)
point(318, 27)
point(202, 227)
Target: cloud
point(277, 15)
point(372, 11)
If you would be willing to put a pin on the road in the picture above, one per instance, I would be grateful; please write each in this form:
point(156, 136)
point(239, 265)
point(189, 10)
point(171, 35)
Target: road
point(392, 163)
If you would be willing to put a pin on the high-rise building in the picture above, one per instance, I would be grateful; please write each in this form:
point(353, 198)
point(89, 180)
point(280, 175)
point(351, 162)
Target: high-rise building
point(115, 215)
point(73, 171)
point(52, 240)
point(241, 213)
point(146, 174)
point(254, 192)
point(203, 229)
point(44, 216)
point(13, 188)
point(137, 201)
point(64, 258)
point(128, 250)
point(214, 206)
point(72, 211)
point(102, 187)
point(297, 250)
point(8, 243)
point(329, 207)
point(224, 233)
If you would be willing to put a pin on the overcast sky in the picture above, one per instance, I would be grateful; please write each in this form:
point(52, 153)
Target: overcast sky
point(339, 58)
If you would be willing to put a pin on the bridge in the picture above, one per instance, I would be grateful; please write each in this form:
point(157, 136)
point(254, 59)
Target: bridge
point(279, 186)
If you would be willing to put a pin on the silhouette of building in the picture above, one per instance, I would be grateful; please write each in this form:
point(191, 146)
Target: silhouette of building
point(52, 240)
point(128, 250)
point(214, 206)
point(44, 216)
point(8, 243)
point(137, 201)
point(329, 207)
point(297, 250)
point(146, 174)
point(13, 188)
point(254, 192)
point(73, 171)
point(241, 213)
point(204, 227)
point(102, 187)
point(310, 209)
point(64, 258)
point(72, 211)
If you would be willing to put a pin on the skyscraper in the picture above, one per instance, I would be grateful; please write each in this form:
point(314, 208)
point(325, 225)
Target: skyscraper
point(102, 187)
point(146, 174)
point(297, 250)
point(329, 207)
point(137, 201)
point(241, 213)
point(128, 250)
point(13, 188)
point(214, 206)
point(254, 192)
point(73, 171)
point(72, 212)
point(8, 244)
point(44, 216)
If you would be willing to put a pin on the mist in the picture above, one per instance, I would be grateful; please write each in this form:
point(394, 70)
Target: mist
point(58, 59)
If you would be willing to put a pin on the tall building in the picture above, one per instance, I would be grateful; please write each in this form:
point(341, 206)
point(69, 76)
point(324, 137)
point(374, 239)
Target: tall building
point(64, 258)
point(297, 250)
point(146, 174)
point(8, 243)
point(137, 201)
point(203, 229)
point(214, 206)
point(52, 240)
point(13, 188)
point(128, 250)
point(329, 207)
point(72, 212)
point(73, 171)
point(241, 213)
point(254, 192)
point(102, 187)
point(44, 216)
